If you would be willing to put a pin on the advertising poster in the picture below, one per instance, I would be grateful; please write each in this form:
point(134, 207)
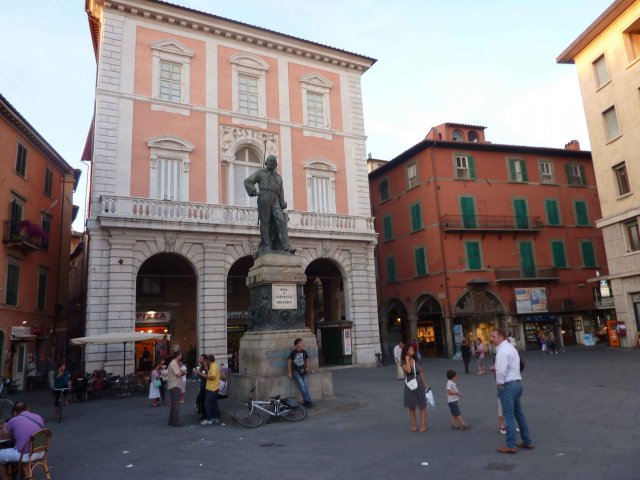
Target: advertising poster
point(531, 300)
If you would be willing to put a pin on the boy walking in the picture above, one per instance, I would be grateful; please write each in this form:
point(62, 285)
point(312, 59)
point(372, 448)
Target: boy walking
point(453, 395)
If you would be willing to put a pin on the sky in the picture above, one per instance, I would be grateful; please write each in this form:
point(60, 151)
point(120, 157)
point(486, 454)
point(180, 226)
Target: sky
point(481, 62)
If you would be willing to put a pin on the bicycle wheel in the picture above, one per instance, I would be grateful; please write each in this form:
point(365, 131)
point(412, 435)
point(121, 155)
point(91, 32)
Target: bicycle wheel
point(248, 417)
point(294, 414)
point(5, 407)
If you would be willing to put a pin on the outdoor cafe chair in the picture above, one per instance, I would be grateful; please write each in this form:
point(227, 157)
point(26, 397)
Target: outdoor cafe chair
point(37, 456)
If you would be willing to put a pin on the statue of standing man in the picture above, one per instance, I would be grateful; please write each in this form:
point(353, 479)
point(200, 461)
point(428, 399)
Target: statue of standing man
point(273, 221)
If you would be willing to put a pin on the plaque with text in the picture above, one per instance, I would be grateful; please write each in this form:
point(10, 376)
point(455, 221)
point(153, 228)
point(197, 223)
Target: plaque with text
point(284, 296)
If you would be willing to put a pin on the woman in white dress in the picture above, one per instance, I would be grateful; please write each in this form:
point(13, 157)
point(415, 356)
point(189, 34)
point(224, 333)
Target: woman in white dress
point(154, 385)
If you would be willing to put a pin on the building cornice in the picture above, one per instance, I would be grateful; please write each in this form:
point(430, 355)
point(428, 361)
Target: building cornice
point(198, 21)
point(600, 24)
point(12, 116)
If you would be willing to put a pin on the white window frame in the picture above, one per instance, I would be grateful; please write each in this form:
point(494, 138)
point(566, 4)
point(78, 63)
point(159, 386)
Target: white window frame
point(325, 170)
point(600, 80)
point(462, 167)
point(576, 174)
point(412, 180)
point(170, 148)
point(546, 177)
point(608, 117)
point(622, 166)
point(253, 66)
point(319, 85)
point(173, 51)
point(234, 172)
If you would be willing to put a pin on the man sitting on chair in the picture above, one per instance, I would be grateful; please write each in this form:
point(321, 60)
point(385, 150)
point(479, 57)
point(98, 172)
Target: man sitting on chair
point(19, 427)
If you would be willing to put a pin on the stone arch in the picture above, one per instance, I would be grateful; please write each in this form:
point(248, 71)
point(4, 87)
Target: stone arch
point(477, 310)
point(430, 326)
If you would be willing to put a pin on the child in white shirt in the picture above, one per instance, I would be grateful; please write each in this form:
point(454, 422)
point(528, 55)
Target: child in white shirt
point(453, 395)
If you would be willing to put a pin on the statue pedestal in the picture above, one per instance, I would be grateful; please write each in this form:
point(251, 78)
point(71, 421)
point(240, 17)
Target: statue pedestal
point(276, 319)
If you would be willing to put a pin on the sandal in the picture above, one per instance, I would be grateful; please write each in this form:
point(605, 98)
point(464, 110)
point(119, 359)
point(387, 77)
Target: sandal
point(453, 427)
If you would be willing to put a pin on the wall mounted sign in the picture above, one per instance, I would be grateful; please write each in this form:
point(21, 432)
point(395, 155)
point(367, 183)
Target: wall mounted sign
point(284, 296)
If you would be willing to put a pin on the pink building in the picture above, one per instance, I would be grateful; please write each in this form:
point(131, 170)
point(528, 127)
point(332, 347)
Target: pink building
point(475, 234)
point(188, 104)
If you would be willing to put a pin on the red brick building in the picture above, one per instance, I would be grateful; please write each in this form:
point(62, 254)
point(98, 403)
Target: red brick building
point(475, 234)
point(36, 210)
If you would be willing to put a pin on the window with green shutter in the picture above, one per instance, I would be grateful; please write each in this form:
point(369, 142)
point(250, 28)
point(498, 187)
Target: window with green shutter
point(582, 215)
point(517, 170)
point(527, 262)
point(416, 217)
point(465, 167)
point(474, 260)
point(468, 211)
point(387, 229)
point(522, 214)
point(42, 291)
point(13, 279)
point(391, 269)
point(420, 261)
point(553, 213)
point(575, 174)
point(558, 254)
point(588, 253)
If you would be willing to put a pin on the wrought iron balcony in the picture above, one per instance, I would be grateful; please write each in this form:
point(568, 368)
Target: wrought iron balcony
point(495, 223)
point(518, 274)
point(202, 216)
point(24, 236)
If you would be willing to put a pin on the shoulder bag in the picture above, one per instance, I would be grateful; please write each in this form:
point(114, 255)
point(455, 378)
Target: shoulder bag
point(412, 384)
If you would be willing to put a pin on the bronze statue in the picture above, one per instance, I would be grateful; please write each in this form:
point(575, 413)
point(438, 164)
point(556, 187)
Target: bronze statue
point(273, 221)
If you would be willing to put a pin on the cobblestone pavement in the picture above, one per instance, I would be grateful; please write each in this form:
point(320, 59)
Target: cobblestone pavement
point(583, 408)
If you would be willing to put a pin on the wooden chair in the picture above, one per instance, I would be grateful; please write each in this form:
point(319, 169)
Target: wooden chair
point(39, 443)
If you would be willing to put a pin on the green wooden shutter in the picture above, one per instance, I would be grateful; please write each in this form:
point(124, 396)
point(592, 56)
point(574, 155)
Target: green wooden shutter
point(567, 171)
point(420, 261)
point(13, 279)
point(582, 216)
point(387, 228)
point(472, 167)
point(559, 257)
point(512, 170)
point(583, 179)
point(16, 218)
point(391, 269)
point(553, 216)
point(522, 217)
point(527, 262)
point(588, 253)
point(416, 217)
point(42, 291)
point(474, 262)
point(523, 169)
point(468, 209)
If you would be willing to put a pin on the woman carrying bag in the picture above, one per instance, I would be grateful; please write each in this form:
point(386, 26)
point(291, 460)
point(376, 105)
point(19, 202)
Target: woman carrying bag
point(414, 389)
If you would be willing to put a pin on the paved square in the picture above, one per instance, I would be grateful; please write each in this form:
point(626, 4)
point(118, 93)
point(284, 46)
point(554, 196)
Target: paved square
point(582, 407)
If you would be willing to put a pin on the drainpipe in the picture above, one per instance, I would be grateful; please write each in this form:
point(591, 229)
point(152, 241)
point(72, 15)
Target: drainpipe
point(448, 330)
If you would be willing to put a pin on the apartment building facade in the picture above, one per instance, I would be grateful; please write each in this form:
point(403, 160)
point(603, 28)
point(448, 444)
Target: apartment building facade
point(476, 234)
point(36, 194)
point(607, 58)
point(188, 104)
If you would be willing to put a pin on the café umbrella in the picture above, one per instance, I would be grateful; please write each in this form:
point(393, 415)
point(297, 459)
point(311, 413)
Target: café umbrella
point(118, 337)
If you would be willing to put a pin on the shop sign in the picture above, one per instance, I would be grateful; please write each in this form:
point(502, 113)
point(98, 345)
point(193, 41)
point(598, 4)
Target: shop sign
point(283, 296)
point(538, 318)
point(153, 317)
point(20, 331)
point(237, 315)
point(605, 291)
point(531, 300)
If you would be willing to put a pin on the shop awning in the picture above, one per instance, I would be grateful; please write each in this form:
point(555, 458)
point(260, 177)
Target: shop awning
point(117, 337)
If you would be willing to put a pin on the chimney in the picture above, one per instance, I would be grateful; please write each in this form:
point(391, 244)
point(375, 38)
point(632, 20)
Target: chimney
point(572, 145)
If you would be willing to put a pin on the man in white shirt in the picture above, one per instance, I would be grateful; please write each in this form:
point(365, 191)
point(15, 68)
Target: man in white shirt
point(397, 356)
point(509, 381)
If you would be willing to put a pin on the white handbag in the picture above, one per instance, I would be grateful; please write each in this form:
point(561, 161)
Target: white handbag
point(412, 384)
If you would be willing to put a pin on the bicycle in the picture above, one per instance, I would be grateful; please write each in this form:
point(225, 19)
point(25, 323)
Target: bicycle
point(249, 414)
point(59, 401)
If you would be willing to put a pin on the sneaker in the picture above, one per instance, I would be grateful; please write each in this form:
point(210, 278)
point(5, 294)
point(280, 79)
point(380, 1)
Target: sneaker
point(206, 422)
point(503, 430)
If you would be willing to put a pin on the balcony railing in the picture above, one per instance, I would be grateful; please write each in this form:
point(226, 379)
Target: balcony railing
point(498, 223)
point(130, 208)
point(18, 235)
point(517, 274)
